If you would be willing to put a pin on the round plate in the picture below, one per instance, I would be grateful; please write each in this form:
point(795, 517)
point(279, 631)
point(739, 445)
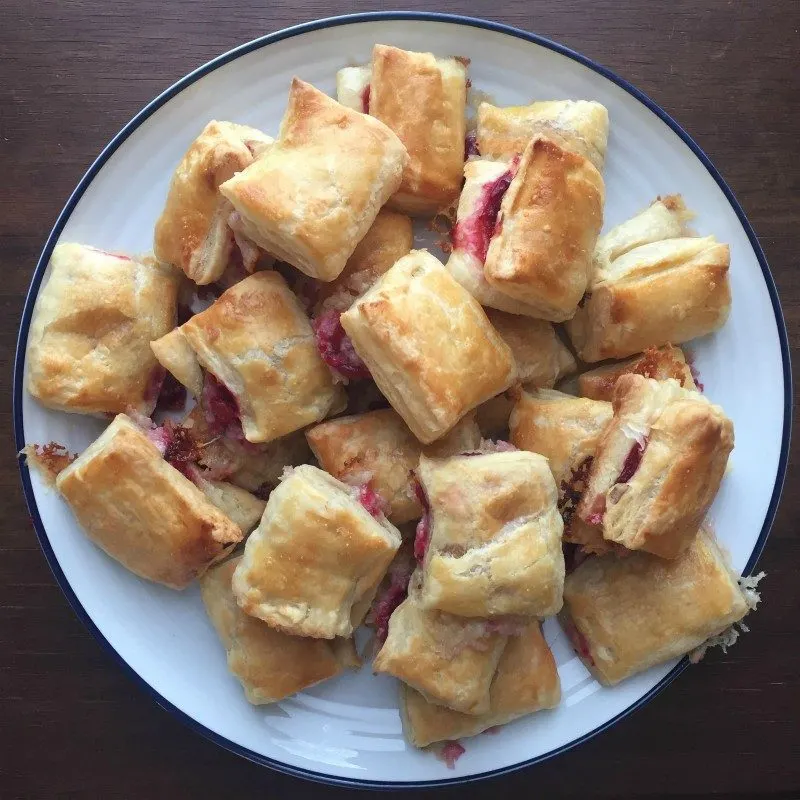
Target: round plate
point(348, 730)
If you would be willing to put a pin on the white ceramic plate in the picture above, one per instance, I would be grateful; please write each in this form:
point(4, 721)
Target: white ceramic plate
point(348, 730)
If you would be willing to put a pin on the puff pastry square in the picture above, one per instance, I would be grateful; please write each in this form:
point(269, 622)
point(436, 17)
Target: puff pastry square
point(625, 615)
point(449, 660)
point(258, 343)
point(526, 681)
point(89, 342)
point(313, 565)
point(658, 466)
point(422, 98)
point(546, 231)
point(667, 291)
point(378, 450)
point(428, 344)
point(142, 511)
point(495, 536)
point(269, 664)
point(192, 232)
point(566, 430)
point(580, 126)
point(311, 198)
point(658, 363)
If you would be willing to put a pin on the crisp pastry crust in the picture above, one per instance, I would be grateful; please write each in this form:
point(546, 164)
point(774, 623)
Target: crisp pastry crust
point(566, 430)
point(257, 341)
point(313, 196)
point(550, 217)
point(465, 263)
point(668, 291)
point(142, 511)
point(192, 232)
point(175, 354)
point(495, 536)
point(526, 681)
point(269, 664)
point(314, 563)
point(238, 505)
point(389, 239)
point(628, 614)
point(353, 87)
point(428, 344)
point(95, 303)
point(422, 98)
point(378, 449)
point(447, 659)
point(665, 218)
point(658, 363)
point(542, 358)
point(580, 126)
point(658, 466)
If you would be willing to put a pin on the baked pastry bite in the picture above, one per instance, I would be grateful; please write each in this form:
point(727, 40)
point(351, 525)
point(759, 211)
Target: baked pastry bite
point(493, 536)
point(626, 615)
point(658, 363)
point(566, 430)
point(428, 344)
point(668, 291)
point(311, 198)
point(422, 98)
point(238, 505)
point(658, 466)
point(314, 563)
point(541, 248)
point(141, 510)
point(526, 681)
point(542, 358)
point(378, 450)
point(580, 126)
point(89, 342)
point(389, 239)
point(269, 664)
point(193, 231)
point(449, 660)
point(665, 218)
point(263, 374)
point(353, 87)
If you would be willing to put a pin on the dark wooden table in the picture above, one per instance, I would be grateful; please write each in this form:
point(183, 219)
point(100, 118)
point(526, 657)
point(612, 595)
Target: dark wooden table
point(71, 74)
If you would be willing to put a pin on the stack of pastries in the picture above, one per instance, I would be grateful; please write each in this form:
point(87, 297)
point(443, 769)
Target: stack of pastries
point(374, 435)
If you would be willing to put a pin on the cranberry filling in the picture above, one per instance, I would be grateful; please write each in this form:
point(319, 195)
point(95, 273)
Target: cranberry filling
point(471, 145)
point(632, 461)
point(172, 396)
point(597, 512)
point(451, 752)
point(336, 349)
point(571, 491)
point(474, 233)
point(696, 376)
point(365, 93)
point(579, 643)
point(422, 538)
point(395, 593)
point(221, 409)
point(154, 383)
point(176, 445)
point(371, 500)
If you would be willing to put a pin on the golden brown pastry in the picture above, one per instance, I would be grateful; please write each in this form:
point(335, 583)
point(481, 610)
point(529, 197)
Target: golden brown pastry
point(377, 449)
point(449, 660)
point(542, 358)
point(193, 232)
point(269, 664)
point(311, 198)
point(238, 505)
point(388, 240)
point(526, 681)
point(658, 363)
point(422, 98)
point(541, 249)
point(142, 511)
point(176, 355)
point(314, 563)
point(263, 368)
point(625, 615)
point(485, 183)
point(566, 430)
point(668, 291)
point(428, 344)
point(89, 342)
point(658, 466)
point(493, 536)
point(580, 126)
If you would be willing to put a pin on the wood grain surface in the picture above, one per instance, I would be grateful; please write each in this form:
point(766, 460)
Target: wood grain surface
point(71, 74)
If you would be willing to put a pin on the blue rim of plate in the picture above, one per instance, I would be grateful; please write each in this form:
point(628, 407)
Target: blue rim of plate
point(162, 99)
